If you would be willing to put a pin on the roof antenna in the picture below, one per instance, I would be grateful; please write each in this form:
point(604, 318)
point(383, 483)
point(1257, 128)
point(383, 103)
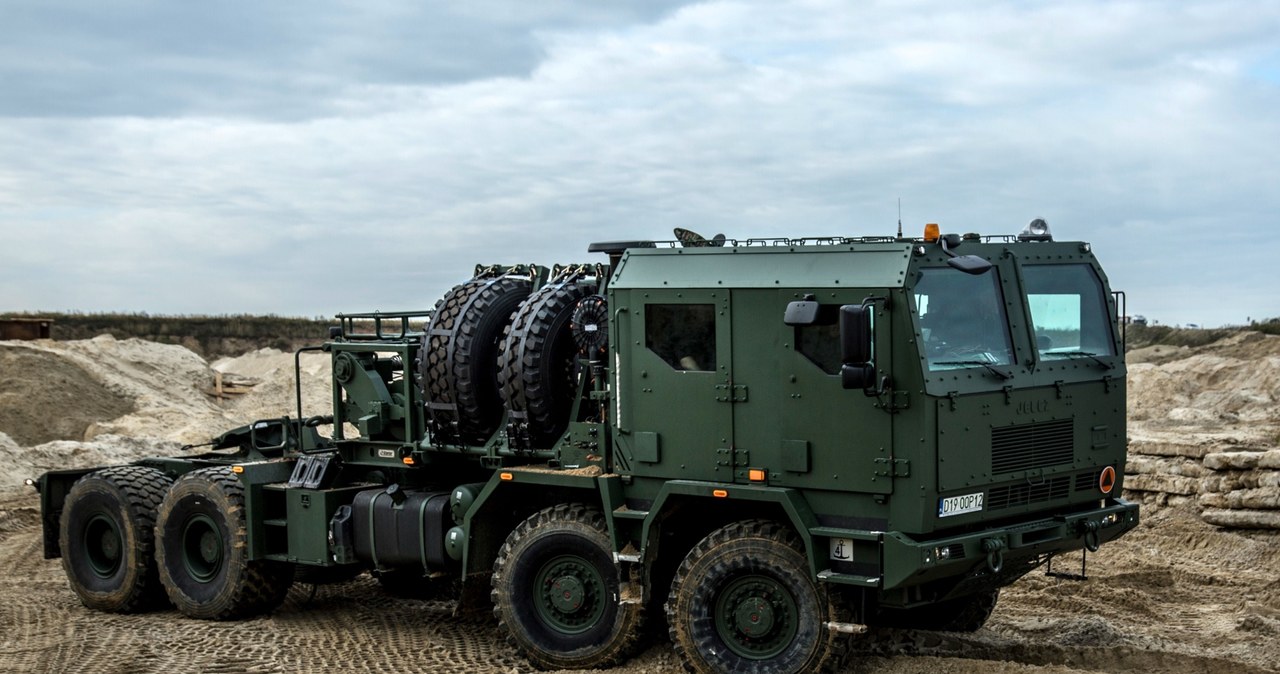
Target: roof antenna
point(899, 217)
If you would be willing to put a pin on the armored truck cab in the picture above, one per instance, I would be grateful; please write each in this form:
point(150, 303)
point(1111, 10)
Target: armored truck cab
point(767, 443)
point(986, 399)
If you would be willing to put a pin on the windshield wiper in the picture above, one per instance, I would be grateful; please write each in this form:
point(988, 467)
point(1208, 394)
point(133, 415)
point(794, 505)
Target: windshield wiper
point(1003, 374)
point(1105, 365)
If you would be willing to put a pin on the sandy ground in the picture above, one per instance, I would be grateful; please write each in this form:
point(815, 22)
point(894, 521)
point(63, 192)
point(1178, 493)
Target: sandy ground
point(1176, 595)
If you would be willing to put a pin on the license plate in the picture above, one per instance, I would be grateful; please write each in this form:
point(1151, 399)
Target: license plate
point(959, 505)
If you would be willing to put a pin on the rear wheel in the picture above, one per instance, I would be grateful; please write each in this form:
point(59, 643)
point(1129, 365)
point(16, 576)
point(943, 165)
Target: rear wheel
point(556, 591)
point(106, 538)
point(743, 600)
point(203, 555)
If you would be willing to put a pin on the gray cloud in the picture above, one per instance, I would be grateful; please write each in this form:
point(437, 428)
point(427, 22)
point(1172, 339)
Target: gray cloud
point(1146, 128)
point(274, 60)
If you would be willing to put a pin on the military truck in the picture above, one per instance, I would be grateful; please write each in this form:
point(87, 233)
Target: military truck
point(767, 444)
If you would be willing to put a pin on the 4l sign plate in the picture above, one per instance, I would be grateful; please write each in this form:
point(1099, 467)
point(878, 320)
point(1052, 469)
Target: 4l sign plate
point(842, 549)
point(959, 505)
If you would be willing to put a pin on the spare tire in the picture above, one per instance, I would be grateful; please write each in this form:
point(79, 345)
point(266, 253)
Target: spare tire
point(538, 366)
point(457, 361)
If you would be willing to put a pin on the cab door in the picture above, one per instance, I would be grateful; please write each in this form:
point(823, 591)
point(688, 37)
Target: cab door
point(799, 422)
point(675, 412)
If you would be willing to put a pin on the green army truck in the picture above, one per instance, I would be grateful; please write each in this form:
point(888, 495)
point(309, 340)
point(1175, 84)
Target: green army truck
point(767, 444)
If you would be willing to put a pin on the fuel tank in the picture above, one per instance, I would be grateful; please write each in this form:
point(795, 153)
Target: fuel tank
point(396, 527)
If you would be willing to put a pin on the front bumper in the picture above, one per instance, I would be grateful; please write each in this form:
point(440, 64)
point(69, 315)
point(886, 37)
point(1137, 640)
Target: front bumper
point(1001, 551)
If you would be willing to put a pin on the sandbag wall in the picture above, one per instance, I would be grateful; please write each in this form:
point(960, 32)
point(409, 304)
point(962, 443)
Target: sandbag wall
point(1235, 486)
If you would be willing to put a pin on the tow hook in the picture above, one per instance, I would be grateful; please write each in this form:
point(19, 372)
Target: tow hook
point(1089, 529)
point(994, 548)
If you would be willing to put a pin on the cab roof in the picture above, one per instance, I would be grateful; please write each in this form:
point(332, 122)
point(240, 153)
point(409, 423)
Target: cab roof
point(877, 264)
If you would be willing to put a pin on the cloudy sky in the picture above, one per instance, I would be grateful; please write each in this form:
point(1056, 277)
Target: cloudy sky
point(307, 158)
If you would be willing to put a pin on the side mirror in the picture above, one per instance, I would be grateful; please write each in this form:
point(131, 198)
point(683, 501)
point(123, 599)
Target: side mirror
point(855, 347)
point(801, 312)
point(969, 264)
point(857, 376)
point(855, 334)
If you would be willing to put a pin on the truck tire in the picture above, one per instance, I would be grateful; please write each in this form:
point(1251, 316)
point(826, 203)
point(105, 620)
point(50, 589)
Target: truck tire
point(457, 363)
point(536, 364)
point(556, 592)
point(743, 600)
point(105, 534)
point(965, 614)
point(203, 555)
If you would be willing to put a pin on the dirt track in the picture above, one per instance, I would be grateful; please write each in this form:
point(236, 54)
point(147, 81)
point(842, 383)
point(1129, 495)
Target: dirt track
point(1176, 595)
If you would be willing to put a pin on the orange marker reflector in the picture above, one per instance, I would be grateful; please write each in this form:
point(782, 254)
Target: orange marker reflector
point(506, 476)
point(408, 460)
point(1107, 480)
point(237, 469)
point(755, 475)
point(720, 493)
point(931, 232)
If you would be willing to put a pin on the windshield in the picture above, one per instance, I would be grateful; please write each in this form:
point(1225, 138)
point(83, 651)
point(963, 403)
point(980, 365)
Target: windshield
point(1068, 311)
point(962, 319)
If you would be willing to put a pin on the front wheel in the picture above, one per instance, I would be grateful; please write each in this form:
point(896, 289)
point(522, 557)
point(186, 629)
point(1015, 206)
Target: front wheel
point(202, 550)
point(743, 600)
point(556, 591)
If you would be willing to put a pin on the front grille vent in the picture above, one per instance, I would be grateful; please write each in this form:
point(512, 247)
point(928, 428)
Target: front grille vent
point(1012, 496)
point(1088, 480)
point(1031, 446)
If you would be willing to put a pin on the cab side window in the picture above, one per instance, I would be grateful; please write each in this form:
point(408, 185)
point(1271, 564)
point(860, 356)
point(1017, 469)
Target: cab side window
point(682, 335)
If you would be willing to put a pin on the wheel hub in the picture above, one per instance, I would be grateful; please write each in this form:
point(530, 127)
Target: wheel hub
point(103, 546)
point(202, 548)
point(756, 617)
point(567, 594)
point(210, 550)
point(571, 594)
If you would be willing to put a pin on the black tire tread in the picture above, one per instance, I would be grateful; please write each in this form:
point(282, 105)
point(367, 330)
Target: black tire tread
point(457, 364)
point(262, 584)
point(143, 489)
point(628, 641)
point(759, 531)
point(531, 383)
point(974, 612)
